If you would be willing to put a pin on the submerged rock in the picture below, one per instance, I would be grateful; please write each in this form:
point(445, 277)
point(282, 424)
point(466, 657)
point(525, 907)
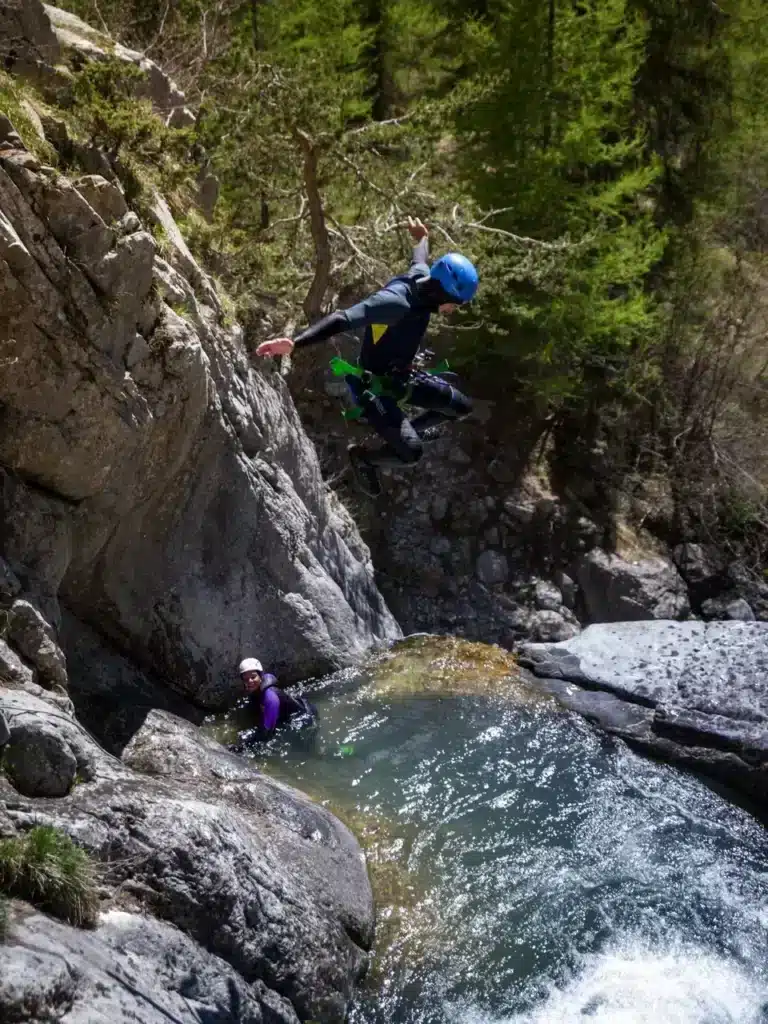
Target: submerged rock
point(696, 692)
point(451, 666)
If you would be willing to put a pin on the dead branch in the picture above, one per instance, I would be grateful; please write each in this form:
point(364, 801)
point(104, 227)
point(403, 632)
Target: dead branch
point(366, 261)
point(379, 124)
point(100, 16)
point(160, 30)
point(292, 220)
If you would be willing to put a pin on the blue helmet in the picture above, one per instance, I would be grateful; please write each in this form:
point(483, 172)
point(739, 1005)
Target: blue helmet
point(457, 276)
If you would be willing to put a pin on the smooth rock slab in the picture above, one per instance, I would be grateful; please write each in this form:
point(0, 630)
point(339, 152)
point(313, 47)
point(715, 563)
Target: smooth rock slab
point(131, 968)
point(702, 689)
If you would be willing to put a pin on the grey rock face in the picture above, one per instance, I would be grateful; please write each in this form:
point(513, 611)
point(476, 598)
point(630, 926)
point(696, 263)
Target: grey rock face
point(103, 196)
point(618, 591)
point(492, 567)
point(39, 761)
point(567, 588)
point(33, 638)
point(70, 33)
point(550, 627)
point(698, 692)
point(132, 968)
point(249, 869)
point(9, 584)
point(192, 525)
point(25, 25)
point(699, 566)
point(547, 596)
point(735, 608)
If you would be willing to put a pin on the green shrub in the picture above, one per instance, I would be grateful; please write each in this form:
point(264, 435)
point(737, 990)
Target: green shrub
point(107, 109)
point(46, 868)
point(11, 96)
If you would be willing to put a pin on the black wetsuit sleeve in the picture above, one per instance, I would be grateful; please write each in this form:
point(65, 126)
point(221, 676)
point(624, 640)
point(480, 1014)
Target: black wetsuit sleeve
point(385, 307)
point(322, 330)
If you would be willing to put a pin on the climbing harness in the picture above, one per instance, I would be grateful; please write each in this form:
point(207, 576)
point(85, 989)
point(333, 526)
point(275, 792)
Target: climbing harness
point(376, 385)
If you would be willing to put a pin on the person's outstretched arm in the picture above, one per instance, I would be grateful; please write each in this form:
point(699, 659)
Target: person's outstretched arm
point(420, 235)
point(384, 307)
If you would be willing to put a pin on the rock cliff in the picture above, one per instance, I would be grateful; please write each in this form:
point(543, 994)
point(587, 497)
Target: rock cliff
point(162, 514)
point(154, 484)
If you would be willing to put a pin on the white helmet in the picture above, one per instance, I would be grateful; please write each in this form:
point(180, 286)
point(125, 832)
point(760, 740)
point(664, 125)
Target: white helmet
point(249, 665)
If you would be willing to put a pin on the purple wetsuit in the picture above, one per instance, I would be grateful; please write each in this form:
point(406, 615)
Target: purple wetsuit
point(277, 706)
point(270, 706)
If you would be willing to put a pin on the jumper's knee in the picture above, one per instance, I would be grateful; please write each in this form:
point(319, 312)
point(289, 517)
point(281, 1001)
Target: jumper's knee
point(411, 452)
point(461, 405)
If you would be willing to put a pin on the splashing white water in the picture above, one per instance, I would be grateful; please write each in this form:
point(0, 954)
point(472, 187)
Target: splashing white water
point(634, 985)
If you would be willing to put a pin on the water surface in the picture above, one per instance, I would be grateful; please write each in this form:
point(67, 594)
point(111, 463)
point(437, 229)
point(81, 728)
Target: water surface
point(528, 869)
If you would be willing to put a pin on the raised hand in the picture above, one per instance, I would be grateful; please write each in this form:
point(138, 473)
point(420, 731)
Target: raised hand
point(417, 229)
point(276, 347)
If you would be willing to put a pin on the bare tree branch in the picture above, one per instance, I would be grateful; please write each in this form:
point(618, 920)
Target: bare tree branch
point(100, 16)
point(160, 30)
point(379, 124)
point(366, 261)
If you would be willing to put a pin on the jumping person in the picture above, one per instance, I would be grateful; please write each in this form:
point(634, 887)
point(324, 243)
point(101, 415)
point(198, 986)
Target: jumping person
point(395, 321)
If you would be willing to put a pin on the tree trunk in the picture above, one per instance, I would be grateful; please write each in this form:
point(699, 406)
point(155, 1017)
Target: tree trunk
point(313, 303)
point(550, 72)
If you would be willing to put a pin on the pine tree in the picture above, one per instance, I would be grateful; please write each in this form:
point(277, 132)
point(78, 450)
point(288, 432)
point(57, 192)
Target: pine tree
point(547, 138)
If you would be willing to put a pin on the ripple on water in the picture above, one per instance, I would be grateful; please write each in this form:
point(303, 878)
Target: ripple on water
point(633, 984)
point(530, 869)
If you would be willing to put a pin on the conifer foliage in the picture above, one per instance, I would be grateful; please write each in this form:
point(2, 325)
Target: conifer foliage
point(603, 161)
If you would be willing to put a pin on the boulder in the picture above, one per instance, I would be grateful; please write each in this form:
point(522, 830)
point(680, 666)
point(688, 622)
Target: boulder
point(9, 584)
point(131, 968)
point(250, 869)
point(39, 761)
point(615, 590)
point(73, 35)
point(697, 692)
point(700, 566)
point(492, 567)
point(33, 637)
point(549, 626)
point(27, 36)
point(733, 608)
point(567, 588)
point(547, 596)
point(103, 196)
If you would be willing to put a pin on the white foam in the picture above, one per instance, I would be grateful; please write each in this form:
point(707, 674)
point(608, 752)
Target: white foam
point(635, 985)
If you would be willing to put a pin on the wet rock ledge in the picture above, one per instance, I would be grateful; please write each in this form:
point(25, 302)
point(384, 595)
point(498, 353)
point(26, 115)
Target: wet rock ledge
point(691, 692)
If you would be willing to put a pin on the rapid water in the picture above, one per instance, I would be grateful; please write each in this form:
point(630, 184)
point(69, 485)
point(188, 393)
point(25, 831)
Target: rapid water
point(529, 870)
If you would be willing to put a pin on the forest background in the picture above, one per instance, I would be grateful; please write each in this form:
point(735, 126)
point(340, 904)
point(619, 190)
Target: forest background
point(604, 162)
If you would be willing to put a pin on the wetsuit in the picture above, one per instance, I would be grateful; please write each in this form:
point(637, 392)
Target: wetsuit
point(278, 707)
point(394, 321)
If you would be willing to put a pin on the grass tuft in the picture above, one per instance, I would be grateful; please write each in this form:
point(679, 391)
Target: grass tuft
point(48, 870)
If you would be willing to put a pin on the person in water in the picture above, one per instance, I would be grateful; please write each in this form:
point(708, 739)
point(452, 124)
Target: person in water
point(395, 320)
point(274, 706)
